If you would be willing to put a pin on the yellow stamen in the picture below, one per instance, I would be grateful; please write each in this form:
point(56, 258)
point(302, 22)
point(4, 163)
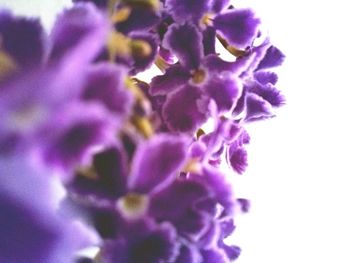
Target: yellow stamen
point(133, 206)
point(143, 125)
point(161, 63)
point(199, 133)
point(234, 51)
point(88, 172)
point(192, 166)
point(121, 15)
point(118, 45)
point(207, 19)
point(140, 48)
point(199, 76)
point(7, 65)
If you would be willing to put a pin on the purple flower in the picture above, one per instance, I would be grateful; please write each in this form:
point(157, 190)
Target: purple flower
point(138, 169)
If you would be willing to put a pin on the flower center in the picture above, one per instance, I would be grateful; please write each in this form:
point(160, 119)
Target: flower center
point(199, 76)
point(133, 206)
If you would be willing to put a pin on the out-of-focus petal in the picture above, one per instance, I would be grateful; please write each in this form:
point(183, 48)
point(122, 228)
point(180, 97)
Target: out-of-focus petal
point(22, 38)
point(78, 34)
point(156, 162)
point(71, 136)
point(105, 83)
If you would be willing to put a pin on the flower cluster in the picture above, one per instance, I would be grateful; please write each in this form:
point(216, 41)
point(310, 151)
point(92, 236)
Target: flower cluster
point(92, 156)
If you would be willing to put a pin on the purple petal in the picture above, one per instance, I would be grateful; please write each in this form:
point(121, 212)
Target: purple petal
point(187, 10)
point(209, 40)
point(265, 77)
point(238, 26)
point(273, 58)
point(182, 196)
point(225, 91)
point(219, 5)
point(238, 158)
point(173, 78)
point(220, 187)
point(189, 254)
point(106, 83)
point(185, 41)
point(232, 252)
point(153, 244)
point(186, 109)
point(214, 255)
point(71, 136)
point(269, 93)
point(22, 38)
point(156, 162)
point(79, 32)
point(257, 108)
point(217, 65)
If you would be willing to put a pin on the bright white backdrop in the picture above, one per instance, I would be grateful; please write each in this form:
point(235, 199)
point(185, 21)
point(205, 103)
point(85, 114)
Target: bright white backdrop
point(299, 176)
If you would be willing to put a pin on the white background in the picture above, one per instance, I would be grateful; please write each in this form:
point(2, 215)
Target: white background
point(299, 176)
